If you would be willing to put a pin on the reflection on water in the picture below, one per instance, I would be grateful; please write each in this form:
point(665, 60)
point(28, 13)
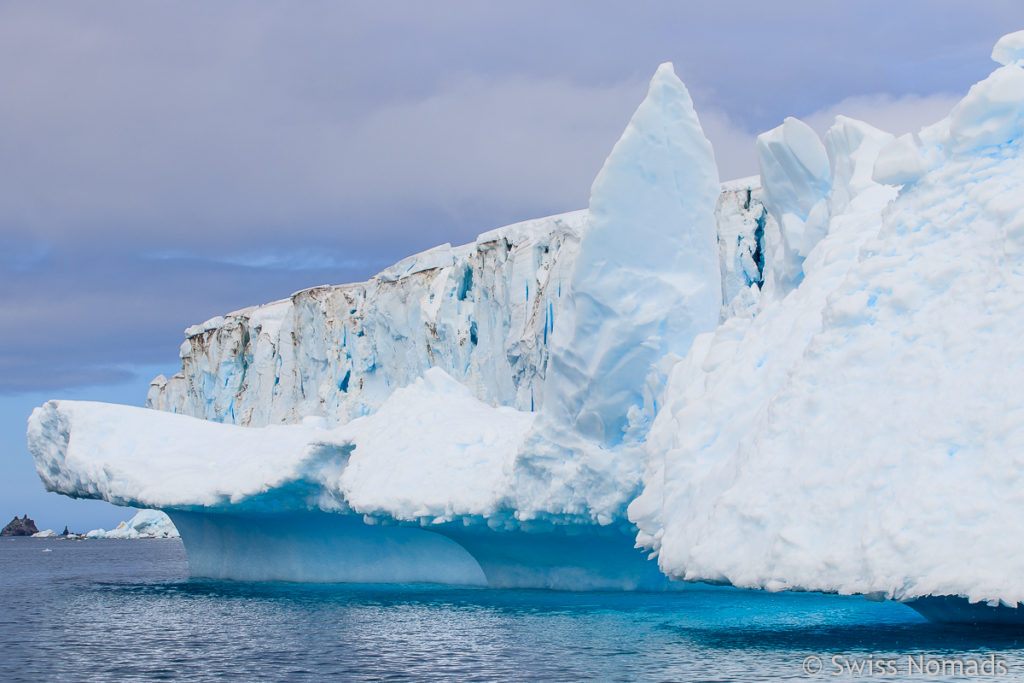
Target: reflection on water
point(115, 610)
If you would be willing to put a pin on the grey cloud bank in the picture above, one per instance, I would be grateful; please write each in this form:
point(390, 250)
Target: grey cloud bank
point(263, 148)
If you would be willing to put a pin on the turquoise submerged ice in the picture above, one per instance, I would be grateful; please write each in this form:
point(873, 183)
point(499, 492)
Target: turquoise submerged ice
point(814, 385)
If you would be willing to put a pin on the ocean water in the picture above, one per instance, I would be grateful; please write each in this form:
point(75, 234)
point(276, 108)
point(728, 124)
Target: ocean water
point(126, 610)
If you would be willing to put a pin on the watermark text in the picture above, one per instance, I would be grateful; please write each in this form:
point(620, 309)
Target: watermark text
point(875, 666)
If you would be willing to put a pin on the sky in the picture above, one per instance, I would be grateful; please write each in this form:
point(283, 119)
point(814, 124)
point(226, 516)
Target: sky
point(162, 163)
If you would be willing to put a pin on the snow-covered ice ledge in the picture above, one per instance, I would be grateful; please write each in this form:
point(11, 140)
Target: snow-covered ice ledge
point(423, 490)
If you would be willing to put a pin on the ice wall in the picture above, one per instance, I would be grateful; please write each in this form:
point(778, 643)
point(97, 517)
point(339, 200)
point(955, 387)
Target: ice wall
point(648, 276)
point(862, 433)
point(484, 312)
point(312, 546)
point(742, 222)
point(481, 312)
point(796, 177)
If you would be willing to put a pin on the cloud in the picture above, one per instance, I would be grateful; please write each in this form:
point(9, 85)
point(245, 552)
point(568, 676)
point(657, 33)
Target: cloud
point(734, 145)
point(300, 259)
point(184, 159)
point(20, 256)
point(350, 121)
point(261, 148)
point(896, 115)
point(30, 374)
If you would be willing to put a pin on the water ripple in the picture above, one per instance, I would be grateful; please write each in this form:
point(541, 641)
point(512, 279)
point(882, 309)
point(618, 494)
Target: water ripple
point(126, 610)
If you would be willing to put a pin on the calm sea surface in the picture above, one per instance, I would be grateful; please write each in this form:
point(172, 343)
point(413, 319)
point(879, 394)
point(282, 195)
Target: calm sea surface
point(126, 610)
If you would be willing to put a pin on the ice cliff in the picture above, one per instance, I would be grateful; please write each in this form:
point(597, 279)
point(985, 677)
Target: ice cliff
point(482, 312)
point(805, 380)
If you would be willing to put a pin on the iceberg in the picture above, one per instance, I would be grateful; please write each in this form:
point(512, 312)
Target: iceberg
point(470, 415)
point(145, 524)
point(804, 380)
point(861, 435)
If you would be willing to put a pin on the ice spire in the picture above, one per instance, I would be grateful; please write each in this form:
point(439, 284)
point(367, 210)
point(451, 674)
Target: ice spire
point(646, 280)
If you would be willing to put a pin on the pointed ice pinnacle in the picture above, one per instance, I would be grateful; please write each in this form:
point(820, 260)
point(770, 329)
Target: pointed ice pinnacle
point(646, 280)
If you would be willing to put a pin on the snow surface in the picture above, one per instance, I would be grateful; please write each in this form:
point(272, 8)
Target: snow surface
point(431, 450)
point(145, 524)
point(863, 434)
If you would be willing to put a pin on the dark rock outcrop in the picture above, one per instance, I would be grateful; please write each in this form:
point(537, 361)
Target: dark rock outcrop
point(20, 527)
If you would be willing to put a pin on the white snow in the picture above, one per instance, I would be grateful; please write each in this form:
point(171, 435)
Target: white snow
point(438, 257)
point(145, 524)
point(431, 450)
point(900, 162)
point(989, 116)
point(863, 434)
point(151, 459)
